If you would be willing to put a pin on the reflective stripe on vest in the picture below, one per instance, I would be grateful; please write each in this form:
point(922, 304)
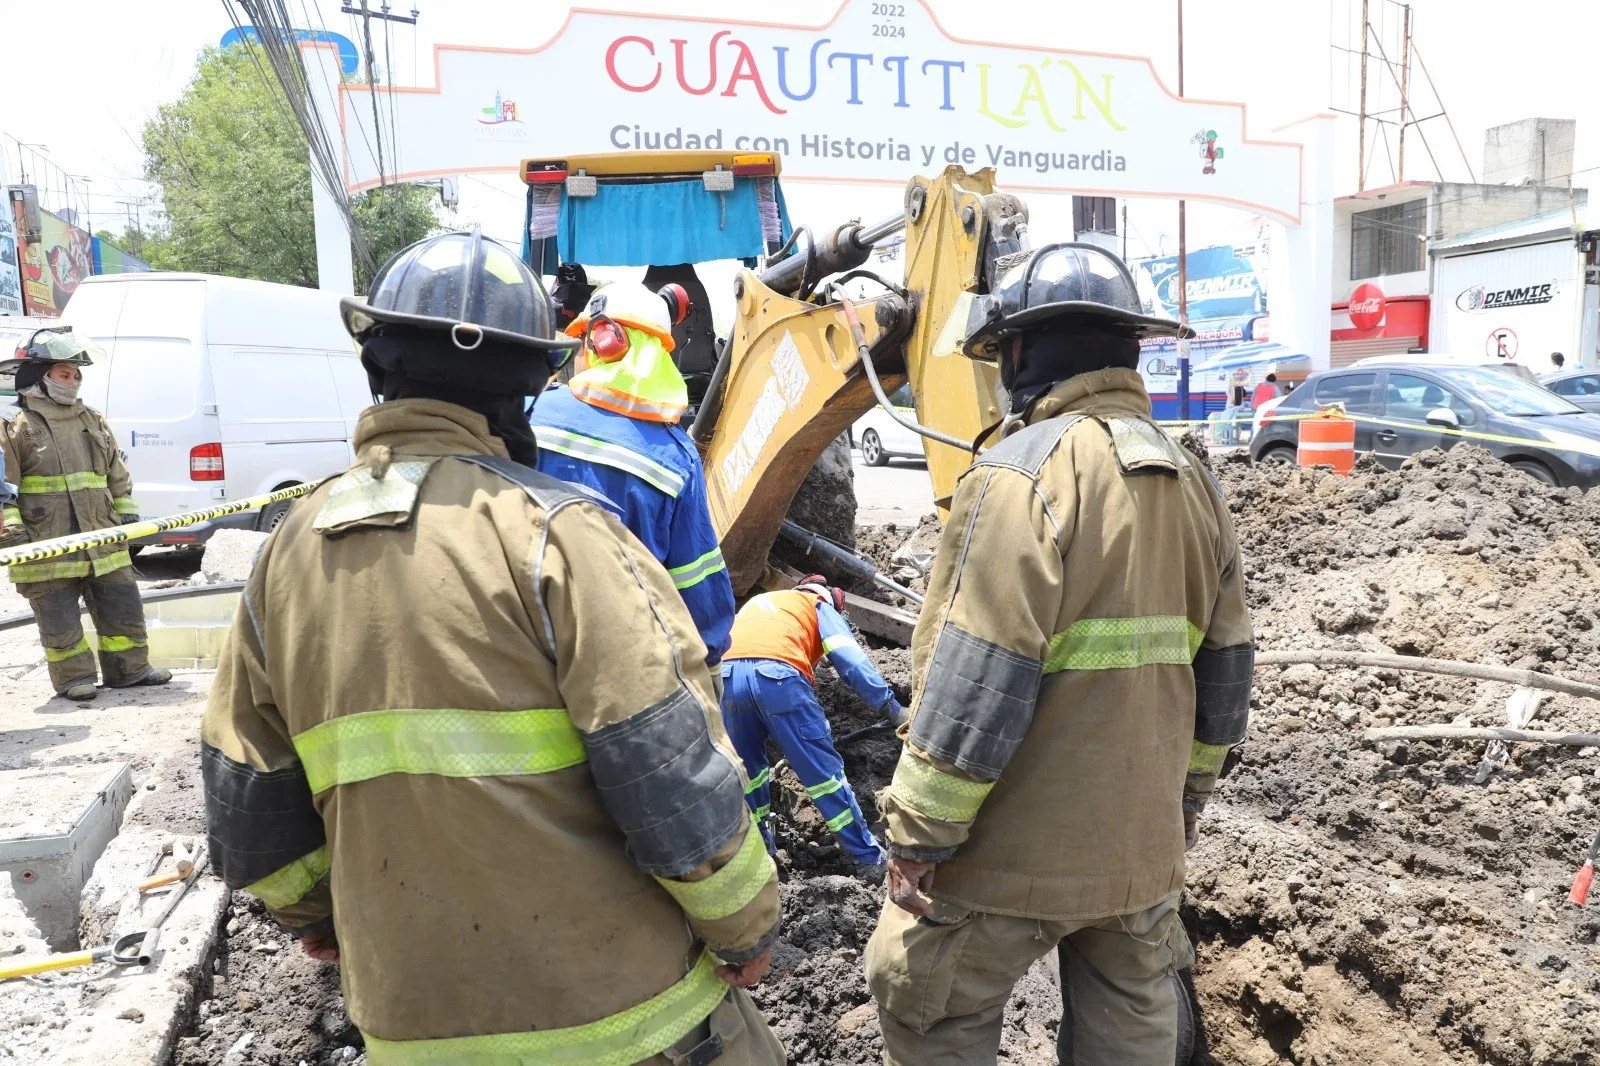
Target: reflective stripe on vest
point(288, 885)
point(919, 785)
point(691, 574)
point(36, 483)
point(1124, 643)
point(627, 1037)
point(1207, 758)
point(449, 743)
point(589, 449)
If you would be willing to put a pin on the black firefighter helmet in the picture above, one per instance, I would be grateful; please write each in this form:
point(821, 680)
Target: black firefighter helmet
point(483, 317)
point(1059, 286)
point(40, 350)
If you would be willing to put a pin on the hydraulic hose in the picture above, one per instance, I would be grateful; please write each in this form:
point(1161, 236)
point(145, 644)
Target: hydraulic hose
point(852, 562)
point(860, 338)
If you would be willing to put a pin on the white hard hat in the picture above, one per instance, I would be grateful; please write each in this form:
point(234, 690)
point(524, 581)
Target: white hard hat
point(631, 304)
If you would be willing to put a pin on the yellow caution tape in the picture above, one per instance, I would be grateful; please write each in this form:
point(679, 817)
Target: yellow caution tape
point(49, 549)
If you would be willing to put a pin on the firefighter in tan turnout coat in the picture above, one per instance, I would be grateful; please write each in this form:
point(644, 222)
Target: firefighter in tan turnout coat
point(1081, 668)
point(61, 455)
point(463, 737)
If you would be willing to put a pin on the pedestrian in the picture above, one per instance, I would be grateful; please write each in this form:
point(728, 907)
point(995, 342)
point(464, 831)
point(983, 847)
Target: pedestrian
point(1083, 663)
point(767, 692)
point(462, 738)
point(70, 478)
point(614, 428)
point(1267, 390)
point(1558, 360)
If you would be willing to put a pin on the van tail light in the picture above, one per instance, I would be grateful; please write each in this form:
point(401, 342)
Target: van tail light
point(205, 462)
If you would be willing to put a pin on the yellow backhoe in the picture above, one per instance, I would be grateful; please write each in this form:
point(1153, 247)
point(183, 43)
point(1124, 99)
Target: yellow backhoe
point(802, 361)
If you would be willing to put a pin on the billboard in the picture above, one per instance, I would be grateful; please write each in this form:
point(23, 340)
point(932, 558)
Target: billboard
point(1220, 284)
point(10, 278)
point(53, 265)
point(876, 94)
point(109, 259)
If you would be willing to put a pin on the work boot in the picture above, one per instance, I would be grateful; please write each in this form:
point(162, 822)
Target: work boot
point(150, 676)
point(81, 691)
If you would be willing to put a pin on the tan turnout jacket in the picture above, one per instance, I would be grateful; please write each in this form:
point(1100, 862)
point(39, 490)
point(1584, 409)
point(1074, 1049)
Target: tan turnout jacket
point(471, 723)
point(70, 479)
point(1055, 729)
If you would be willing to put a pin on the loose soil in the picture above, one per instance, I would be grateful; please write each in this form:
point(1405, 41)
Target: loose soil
point(1372, 903)
point(1350, 902)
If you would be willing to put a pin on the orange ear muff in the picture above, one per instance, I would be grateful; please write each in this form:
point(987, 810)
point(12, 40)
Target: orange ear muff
point(607, 339)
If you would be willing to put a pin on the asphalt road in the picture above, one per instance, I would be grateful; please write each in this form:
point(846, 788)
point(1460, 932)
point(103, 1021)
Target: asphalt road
point(900, 492)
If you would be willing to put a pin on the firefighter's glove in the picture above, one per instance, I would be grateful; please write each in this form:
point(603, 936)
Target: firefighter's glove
point(896, 713)
point(127, 519)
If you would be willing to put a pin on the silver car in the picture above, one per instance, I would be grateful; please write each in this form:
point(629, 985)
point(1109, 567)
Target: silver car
point(1582, 387)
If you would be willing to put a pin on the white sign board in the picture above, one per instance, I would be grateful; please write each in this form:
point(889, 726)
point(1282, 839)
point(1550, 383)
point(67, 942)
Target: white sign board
point(1516, 304)
point(10, 280)
point(879, 93)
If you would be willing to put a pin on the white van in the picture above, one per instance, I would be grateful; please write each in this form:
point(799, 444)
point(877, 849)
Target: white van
point(219, 388)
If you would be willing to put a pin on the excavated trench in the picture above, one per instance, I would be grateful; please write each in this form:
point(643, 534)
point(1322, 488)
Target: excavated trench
point(1350, 902)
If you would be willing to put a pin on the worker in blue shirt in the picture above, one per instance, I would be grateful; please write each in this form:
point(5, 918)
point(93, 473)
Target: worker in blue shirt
point(767, 679)
point(613, 428)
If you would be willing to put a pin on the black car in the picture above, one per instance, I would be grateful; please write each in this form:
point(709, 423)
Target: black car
point(1401, 410)
point(1582, 387)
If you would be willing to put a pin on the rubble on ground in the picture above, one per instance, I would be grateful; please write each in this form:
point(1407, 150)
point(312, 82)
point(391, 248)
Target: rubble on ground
point(230, 555)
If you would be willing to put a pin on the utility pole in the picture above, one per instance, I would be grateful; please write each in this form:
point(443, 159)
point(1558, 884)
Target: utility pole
point(1361, 138)
point(1124, 231)
point(1405, 82)
point(134, 225)
point(1183, 263)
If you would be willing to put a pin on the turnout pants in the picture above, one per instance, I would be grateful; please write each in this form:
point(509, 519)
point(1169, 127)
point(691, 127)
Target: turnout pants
point(113, 602)
point(763, 698)
point(942, 988)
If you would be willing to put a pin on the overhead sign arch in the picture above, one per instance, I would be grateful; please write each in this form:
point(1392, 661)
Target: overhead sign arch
point(879, 92)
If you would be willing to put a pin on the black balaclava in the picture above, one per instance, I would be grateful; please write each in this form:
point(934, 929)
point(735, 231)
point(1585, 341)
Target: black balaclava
point(494, 379)
point(1053, 353)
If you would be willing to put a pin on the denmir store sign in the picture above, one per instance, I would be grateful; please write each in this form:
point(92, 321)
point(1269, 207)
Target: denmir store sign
point(878, 93)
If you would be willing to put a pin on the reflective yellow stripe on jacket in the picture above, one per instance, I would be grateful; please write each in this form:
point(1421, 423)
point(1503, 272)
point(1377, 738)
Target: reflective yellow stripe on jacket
point(286, 886)
point(85, 479)
point(626, 1037)
point(58, 569)
point(446, 742)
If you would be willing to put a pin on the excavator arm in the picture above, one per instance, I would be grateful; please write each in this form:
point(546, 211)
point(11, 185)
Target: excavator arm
point(791, 377)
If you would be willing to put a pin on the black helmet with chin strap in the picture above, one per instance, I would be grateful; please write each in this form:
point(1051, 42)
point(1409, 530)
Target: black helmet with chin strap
point(471, 314)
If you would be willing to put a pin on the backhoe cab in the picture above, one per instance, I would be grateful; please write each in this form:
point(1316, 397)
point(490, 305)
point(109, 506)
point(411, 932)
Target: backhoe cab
point(791, 376)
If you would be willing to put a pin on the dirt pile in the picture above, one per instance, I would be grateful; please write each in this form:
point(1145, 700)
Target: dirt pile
point(1361, 903)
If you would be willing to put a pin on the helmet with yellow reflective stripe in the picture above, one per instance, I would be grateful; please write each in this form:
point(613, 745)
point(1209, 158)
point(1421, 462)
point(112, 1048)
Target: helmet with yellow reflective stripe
point(56, 344)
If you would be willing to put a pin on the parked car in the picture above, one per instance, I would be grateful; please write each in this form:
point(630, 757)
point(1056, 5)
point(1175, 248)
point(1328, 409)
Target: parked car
point(881, 438)
point(1435, 359)
point(1547, 436)
point(1582, 387)
point(219, 389)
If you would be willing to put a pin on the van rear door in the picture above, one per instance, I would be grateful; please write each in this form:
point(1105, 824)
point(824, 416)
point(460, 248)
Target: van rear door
point(156, 387)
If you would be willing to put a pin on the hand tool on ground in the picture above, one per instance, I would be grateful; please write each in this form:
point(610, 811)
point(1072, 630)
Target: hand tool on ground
point(131, 949)
point(182, 864)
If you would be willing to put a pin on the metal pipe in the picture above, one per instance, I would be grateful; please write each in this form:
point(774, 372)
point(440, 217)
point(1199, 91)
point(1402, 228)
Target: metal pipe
point(1443, 667)
point(846, 248)
point(846, 558)
point(17, 621)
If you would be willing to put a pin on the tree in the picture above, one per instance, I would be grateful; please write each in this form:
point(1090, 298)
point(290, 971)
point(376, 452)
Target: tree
point(236, 182)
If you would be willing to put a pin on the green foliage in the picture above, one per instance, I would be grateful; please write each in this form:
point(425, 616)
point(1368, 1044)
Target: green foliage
point(236, 182)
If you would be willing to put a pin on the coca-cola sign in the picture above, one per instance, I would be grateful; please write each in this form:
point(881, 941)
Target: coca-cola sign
point(1367, 305)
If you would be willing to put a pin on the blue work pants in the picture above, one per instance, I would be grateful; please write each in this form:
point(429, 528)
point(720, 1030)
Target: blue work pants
point(764, 698)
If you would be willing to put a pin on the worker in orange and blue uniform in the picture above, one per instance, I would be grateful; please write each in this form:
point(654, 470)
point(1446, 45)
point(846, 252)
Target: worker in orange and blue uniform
point(613, 428)
point(767, 678)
